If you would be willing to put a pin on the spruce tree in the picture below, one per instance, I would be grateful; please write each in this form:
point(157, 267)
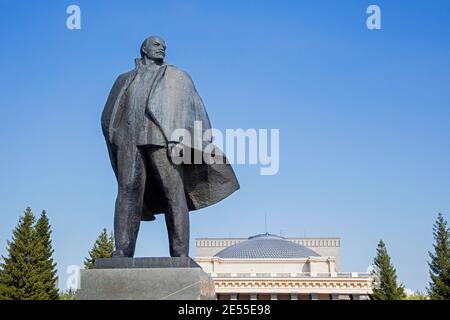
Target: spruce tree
point(103, 248)
point(44, 271)
point(16, 271)
point(385, 277)
point(439, 288)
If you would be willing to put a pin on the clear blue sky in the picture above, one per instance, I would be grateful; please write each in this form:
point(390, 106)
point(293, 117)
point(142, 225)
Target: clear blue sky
point(364, 118)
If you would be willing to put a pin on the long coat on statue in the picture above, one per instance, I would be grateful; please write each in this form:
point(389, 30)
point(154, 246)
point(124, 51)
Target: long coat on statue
point(173, 103)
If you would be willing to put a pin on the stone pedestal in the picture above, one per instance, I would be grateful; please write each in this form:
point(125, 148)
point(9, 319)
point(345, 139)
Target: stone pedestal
point(145, 279)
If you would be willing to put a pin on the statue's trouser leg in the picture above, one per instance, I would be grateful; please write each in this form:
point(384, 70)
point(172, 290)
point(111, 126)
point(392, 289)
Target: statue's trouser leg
point(131, 179)
point(170, 178)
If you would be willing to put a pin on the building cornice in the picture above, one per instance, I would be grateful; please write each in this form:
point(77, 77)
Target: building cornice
point(264, 260)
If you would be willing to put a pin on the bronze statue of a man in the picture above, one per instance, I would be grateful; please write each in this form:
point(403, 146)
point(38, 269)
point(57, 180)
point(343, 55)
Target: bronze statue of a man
point(145, 106)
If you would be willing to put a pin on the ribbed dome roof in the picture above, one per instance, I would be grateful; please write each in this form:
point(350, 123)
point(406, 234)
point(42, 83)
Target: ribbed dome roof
point(266, 246)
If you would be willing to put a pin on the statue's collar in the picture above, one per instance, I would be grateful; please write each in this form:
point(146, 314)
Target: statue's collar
point(140, 64)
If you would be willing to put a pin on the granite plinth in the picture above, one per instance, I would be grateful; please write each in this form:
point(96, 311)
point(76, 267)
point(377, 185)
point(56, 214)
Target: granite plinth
point(142, 279)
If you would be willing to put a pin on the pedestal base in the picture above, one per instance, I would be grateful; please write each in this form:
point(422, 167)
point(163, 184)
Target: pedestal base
point(145, 279)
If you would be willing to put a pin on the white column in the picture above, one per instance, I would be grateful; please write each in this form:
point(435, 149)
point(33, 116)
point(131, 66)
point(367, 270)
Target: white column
point(314, 296)
point(294, 296)
point(233, 296)
point(334, 296)
point(273, 296)
point(253, 296)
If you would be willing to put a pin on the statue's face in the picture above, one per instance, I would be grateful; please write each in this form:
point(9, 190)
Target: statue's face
point(155, 48)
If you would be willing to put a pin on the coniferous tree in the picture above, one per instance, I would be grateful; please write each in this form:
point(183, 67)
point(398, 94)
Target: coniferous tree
point(16, 270)
point(385, 277)
point(103, 248)
point(44, 271)
point(439, 288)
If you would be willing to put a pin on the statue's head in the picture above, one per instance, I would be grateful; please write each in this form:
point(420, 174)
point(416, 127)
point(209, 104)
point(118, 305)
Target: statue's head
point(154, 48)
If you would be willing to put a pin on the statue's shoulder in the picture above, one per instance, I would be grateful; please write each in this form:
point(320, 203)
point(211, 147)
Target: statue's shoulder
point(177, 73)
point(124, 76)
point(121, 80)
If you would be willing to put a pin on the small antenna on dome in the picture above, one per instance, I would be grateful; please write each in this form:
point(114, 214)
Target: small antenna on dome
point(265, 221)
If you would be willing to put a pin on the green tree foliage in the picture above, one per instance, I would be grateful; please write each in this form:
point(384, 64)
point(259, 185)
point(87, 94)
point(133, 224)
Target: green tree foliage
point(16, 276)
point(385, 277)
point(417, 296)
point(44, 271)
point(67, 295)
point(439, 288)
point(28, 272)
point(103, 248)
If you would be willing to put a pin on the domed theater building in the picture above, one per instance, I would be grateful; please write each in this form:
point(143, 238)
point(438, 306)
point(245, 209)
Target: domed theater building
point(271, 267)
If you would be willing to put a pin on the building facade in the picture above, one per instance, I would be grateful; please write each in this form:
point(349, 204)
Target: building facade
point(269, 267)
